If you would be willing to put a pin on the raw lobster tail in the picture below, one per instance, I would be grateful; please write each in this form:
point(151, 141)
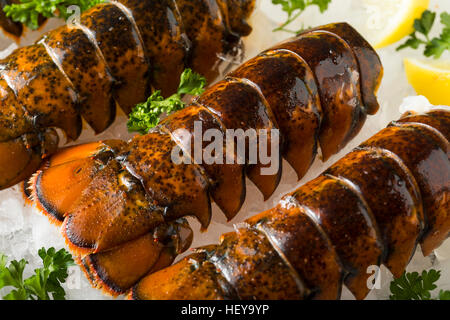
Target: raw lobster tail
point(110, 194)
point(116, 55)
point(372, 207)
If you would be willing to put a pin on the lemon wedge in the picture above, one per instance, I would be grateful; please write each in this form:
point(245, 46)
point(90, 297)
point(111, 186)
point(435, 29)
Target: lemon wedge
point(430, 78)
point(389, 21)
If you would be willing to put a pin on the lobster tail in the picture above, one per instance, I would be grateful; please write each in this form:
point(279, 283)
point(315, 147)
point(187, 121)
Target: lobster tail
point(115, 56)
point(118, 236)
point(306, 89)
point(340, 224)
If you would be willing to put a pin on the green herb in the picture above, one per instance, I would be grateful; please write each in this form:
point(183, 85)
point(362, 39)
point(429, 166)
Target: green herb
point(45, 284)
point(433, 47)
point(146, 115)
point(294, 8)
point(415, 286)
point(28, 12)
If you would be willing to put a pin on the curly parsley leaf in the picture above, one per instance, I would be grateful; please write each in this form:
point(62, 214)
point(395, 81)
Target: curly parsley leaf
point(433, 47)
point(415, 286)
point(28, 12)
point(12, 276)
point(425, 23)
point(445, 19)
point(191, 83)
point(46, 282)
point(444, 295)
point(146, 115)
point(294, 8)
point(322, 4)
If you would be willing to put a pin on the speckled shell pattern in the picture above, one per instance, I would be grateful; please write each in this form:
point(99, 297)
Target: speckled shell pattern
point(114, 57)
point(372, 207)
point(107, 200)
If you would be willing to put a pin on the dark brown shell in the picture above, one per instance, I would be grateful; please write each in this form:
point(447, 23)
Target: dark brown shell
point(120, 195)
point(363, 211)
point(118, 53)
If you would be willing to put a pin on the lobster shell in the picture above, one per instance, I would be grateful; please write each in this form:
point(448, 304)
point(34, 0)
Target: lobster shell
point(109, 194)
point(115, 56)
point(373, 206)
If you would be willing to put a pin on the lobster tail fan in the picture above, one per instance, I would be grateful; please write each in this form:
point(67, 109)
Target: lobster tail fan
point(116, 270)
point(52, 192)
point(65, 175)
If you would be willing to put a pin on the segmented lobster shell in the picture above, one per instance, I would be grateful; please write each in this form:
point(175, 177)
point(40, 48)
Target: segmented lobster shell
point(115, 56)
point(113, 193)
point(373, 206)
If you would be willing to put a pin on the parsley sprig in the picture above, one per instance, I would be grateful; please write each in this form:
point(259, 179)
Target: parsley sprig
point(146, 115)
point(28, 12)
point(415, 286)
point(433, 47)
point(45, 284)
point(294, 8)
